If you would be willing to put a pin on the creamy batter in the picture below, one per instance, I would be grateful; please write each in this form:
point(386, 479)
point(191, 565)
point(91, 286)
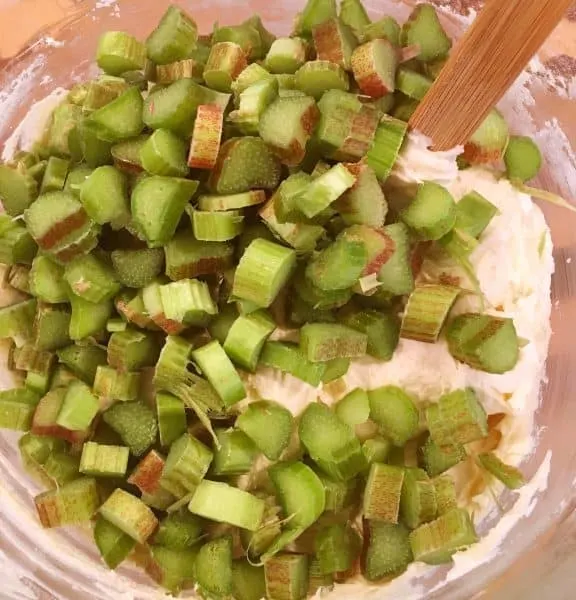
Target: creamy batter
point(514, 265)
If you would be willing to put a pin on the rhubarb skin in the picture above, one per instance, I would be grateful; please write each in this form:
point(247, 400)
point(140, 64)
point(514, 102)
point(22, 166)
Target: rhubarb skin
point(367, 73)
point(206, 138)
point(294, 154)
point(146, 476)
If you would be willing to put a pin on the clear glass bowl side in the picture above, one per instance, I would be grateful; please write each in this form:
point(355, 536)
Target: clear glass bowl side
point(43, 564)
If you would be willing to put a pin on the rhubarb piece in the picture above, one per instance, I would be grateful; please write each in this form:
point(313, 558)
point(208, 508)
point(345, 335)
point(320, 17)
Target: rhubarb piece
point(54, 175)
point(236, 454)
point(16, 322)
point(132, 350)
point(254, 101)
point(457, 418)
point(187, 463)
point(79, 407)
point(381, 328)
point(135, 423)
point(484, 342)
point(148, 472)
point(19, 278)
point(70, 504)
point(396, 413)
point(130, 515)
point(337, 547)
point(488, 143)
point(17, 408)
point(179, 531)
point(232, 201)
point(432, 212)
point(220, 372)
point(262, 272)
point(120, 119)
point(435, 543)
point(112, 384)
point(224, 503)
point(248, 581)
point(46, 280)
point(220, 226)
point(445, 494)
point(187, 258)
point(104, 461)
point(175, 107)
point(424, 29)
point(522, 158)
point(187, 301)
point(322, 342)
point(395, 275)
point(187, 68)
point(137, 268)
point(17, 190)
point(287, 577)
point(383, 493)
point(354, 408)
point(324, 190)
point(376, 450)
point(269, 425)
point(174, 39)
point(286, 55)
point(317, 298)
point(314, 13)
point(334, 42)
point(114, 545)
point(16, 243)
point(354, 15)
point(51, 327)
point(163, 153)
point(385, 28)
point(412, 84)
point(244, 164)
point(418, 504)
point(91, 279)
point(388, 552)
point(286, 126)
point(337, 451)
point(374, 66)
point(510, 476)
point(339, 266)
point(171, 414)
point(247, 36)
point(436, 459)
point(247, 337)
point(214, 567)
point(225, 62)
point(119, 52)
point(318, 76)
point(83, 360)
point(426, 311)
point(290, 359)
point(388, 140)
point(252, 74)
point(364, 203)
point(157, 205)
point(303, 237)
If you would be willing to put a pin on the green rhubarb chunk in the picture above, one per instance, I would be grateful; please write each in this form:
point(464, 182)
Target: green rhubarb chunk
point(522, 158)
point(114, 545)
point(17, 190)
point(269, 425)
point(175, 37)
point(382, 329)
point(214, 567)
point(104, 196)
point(388, 553)
point(91, 279)
point(179, 530)
point(436, 459)
point(395, 412)
point(290, 359)
point(432, 212)
point(424, 29)
point(321, 342)
point(331, 443)
point(135, 423)
point(236, 453)
point(244, 164)
point(157, 204)
point(435, 543)
point(121, 118)
point(418, 503)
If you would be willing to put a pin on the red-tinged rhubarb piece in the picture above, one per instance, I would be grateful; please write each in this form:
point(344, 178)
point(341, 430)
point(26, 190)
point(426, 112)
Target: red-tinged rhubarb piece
point(334, 42)
point(374, 65)
point(225, 62)
point(379, 246)
point(153, 305)
point(45, 418)
point(74, 502)
point(488, 143)
point(206, 138)
point(360, 137)
point(147, 474)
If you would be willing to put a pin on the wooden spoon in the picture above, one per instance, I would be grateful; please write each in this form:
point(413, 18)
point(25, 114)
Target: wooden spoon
point(484, 63)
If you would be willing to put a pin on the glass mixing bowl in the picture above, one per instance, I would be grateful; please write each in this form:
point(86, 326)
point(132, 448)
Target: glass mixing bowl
point(49, 43)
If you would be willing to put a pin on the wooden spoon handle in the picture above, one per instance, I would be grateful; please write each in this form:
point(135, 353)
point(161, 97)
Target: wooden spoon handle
point(483, 65)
